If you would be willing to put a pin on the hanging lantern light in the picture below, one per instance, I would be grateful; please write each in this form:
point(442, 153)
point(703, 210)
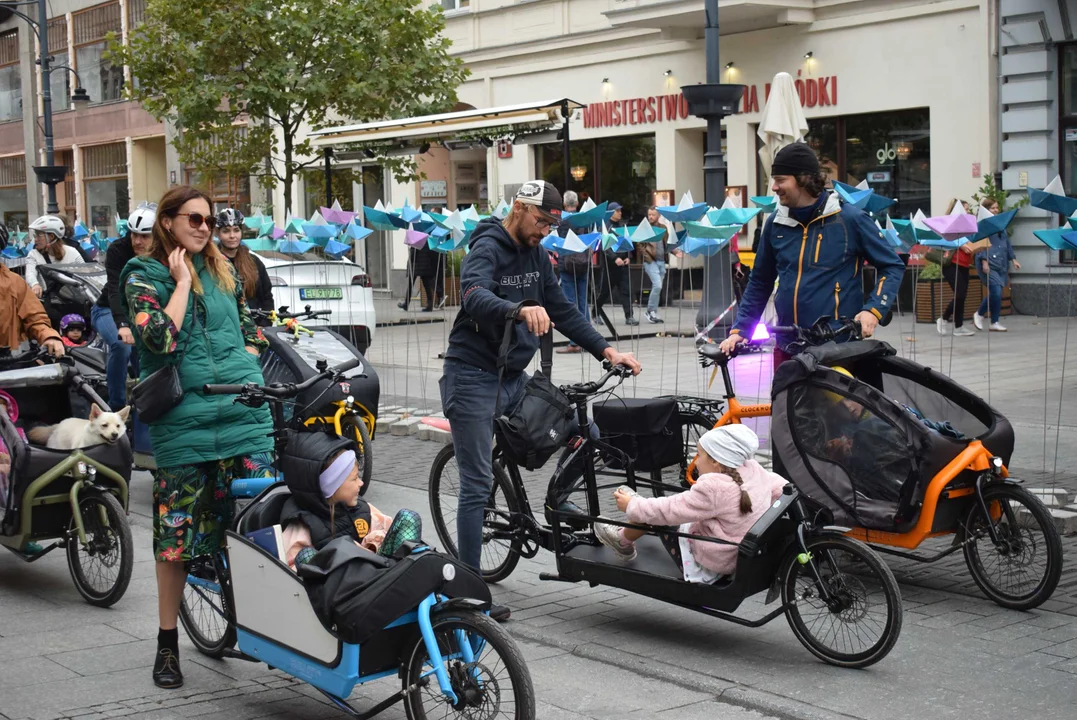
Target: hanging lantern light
point(903, 150)
point(578, 172)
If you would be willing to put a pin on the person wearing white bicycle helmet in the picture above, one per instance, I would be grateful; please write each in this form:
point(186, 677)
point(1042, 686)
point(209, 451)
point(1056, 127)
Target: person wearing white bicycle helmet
point(49, 248)
point(257, 287)
point(107, 316)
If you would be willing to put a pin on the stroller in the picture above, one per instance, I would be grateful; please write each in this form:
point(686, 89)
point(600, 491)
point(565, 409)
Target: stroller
point(71, 499)
point(901, 454)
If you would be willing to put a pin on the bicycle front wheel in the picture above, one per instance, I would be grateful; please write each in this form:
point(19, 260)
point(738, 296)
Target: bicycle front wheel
point(859, 620)
point(485, 667)
point(1022, 570)
point(101, 569)
point(500, 544)
point(205, 612)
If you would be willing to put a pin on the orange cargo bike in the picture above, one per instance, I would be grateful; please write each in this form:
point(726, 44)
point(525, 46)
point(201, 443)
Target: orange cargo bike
point(898, 454)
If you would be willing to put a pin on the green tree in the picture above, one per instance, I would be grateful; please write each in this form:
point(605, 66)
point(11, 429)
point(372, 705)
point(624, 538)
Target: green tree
point(241, 81)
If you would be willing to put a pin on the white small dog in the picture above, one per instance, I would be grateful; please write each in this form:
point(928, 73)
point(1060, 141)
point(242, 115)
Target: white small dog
point(102, 427)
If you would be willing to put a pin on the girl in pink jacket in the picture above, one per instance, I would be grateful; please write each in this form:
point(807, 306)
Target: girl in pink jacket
point(733, 491)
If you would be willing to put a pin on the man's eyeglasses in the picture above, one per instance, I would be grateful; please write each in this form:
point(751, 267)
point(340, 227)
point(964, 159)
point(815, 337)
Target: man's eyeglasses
point(543, 223)
point(196, 219)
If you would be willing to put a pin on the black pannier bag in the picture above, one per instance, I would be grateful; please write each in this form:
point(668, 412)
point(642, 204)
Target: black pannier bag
point(356, 593)
point(857, 446)
point(538, 426)
point(647, 430)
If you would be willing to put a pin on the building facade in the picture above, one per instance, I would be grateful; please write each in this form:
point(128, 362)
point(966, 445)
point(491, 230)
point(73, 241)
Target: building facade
point(116, 153)
point(901, 93)
point(1038, 140)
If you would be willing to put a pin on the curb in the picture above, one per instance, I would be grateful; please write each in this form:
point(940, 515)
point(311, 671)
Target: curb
point(725, 691)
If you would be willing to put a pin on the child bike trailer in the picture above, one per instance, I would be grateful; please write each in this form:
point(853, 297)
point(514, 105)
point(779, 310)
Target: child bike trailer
point(862, 432)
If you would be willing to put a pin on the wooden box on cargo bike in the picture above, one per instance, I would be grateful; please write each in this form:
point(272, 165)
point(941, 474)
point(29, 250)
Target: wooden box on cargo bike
point(840, 600)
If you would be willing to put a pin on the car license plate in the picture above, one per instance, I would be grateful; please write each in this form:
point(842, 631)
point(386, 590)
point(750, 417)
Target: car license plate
point(321, 293)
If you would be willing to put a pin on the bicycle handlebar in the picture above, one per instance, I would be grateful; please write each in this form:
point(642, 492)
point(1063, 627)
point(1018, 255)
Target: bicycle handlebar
point(283, 314)
point(590, 388)
point(280, 391)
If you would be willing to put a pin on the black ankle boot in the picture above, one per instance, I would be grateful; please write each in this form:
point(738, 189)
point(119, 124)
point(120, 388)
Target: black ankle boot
point(166, 666)
point(166, 669)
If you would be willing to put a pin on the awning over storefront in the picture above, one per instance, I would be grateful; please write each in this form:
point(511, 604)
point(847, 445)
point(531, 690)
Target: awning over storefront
point(516, 119)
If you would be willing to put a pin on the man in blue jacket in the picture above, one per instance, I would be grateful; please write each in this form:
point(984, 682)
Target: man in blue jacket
point(506, 273)
point(815, 248)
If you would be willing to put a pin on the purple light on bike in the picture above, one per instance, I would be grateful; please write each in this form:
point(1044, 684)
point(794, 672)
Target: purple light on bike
point(760, 333)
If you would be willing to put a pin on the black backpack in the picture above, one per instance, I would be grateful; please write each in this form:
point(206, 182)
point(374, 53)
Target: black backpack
point(541, 423)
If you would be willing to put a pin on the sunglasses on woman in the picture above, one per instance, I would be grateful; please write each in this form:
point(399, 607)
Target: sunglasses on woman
point(196, 220)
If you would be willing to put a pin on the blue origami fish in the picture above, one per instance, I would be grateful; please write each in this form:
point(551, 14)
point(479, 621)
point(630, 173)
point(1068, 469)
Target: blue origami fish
point(766, 203)
point(336, 249)
point(1053, 198)
point(703, 246)
point(686, 210)
point(294, 246)
point(585, 218)
point(1058, 239)
point(381, 220)
point(994, 224)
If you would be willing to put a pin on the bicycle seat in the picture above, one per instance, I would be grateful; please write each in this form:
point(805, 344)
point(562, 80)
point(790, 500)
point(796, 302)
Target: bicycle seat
point(117, 456)
point(712, 351)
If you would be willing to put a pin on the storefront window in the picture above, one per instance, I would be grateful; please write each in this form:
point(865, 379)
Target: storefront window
point(225, 191)
point(107, 194)
point(103, 80)
point(624, 172)
point(13, 192)
point(314, 190)
point(59, 80)
point(892, 151)
point(10, 80)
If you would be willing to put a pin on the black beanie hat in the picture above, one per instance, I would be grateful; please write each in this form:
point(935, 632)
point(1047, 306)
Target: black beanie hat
point(795, 159)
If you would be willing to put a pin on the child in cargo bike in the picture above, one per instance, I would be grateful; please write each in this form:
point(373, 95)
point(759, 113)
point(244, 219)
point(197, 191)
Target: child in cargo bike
point(325, 503)
point(733, 491)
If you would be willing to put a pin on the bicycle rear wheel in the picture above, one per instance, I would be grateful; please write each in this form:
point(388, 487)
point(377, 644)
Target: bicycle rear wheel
point(1023, 569)
point(205, 612)
point(353, 428)
point(693, 426)
point(861, 621)
point(500, 547)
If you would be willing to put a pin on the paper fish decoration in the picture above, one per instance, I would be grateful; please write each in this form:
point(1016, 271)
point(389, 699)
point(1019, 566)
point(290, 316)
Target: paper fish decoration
point(686, 209)
point(415, 239)
point(703, 246)
point(766, 203)
point(567, 245)
point(705, 230)
point(957, 224)
point(336, 249)
point(731, 214)
point(381, 219)
point(277, 233)
point(323, 231)
point(645, 232)
point(294, 226)
point(294, 246)
point(890, 233)
point(501, 210)
point(79, 231)
point(355, 231)
point(1053, 198)
point(337, 214)
point(988, 224)
point(260, 244)
point(121, 226)
point(593, 215)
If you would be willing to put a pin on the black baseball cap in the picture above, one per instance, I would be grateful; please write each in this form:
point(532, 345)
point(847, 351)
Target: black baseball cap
point(542, 195)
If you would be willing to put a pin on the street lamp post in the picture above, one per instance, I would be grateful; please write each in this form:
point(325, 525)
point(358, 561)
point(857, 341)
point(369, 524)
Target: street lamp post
point(50, 174)
point(713, 101)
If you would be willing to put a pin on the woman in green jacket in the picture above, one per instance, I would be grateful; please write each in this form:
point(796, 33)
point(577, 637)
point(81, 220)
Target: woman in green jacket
point(188, 310)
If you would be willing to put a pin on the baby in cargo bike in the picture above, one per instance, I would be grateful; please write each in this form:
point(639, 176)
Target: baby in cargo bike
point(732, 493)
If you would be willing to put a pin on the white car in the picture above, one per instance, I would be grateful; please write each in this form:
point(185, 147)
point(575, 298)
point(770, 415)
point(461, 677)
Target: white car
point(338, 285)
